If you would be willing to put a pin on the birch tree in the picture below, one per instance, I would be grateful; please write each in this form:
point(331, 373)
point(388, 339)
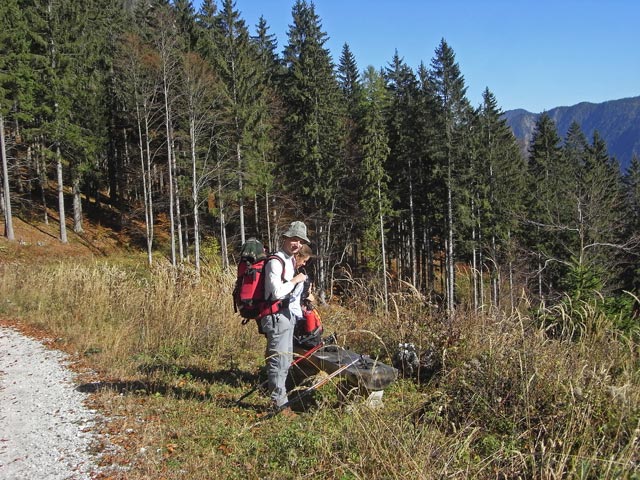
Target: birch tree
point(6, 196)
point(138, 74)
point(201, 98)
point(166, 44)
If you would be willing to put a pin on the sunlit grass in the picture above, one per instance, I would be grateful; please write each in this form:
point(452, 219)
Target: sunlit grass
point(508, 400)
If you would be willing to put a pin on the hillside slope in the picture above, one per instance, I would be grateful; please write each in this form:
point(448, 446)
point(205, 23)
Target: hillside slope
point(617, 122)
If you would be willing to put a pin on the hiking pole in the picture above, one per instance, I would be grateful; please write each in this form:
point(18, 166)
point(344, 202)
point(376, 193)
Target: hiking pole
point(330, 340)
point(315, 386)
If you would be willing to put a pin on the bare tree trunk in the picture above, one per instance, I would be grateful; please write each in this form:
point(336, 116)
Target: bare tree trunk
point(430, 261)
point(224, 250)
point(146, 185)
point(256, 216)
point(495, 278)
point(412, 226)
point(176, 190)
point(77, 206)
point(383, 251)
point(8, 217)
point(170, 171)
point(63, 226)
point(240, 192)
point(194, 195)
point(268, 213)
point(52, 53)
point(450, 259)
point(511, 296)
point(474, 269)
point(42, 177)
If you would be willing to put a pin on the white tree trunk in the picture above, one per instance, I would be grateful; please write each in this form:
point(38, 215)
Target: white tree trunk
point(240, 192)
point(384, 253)
point(412, 226)
point(194, 194)
point(77, 207)
point(63, 226)
point(170, 172)
point(176, 190)
point(268, 217)
point(8, 218)
point(146, 187)
point(224, 250)
point(450, 259)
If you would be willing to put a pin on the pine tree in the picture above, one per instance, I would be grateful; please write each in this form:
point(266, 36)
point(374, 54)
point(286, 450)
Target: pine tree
point(207, 46)
point(267, 45)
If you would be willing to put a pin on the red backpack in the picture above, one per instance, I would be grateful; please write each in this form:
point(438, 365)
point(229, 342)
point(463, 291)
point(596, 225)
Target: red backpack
point(248, 293)
point(308, 331)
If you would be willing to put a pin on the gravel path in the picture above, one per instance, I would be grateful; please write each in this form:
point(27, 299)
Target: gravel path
point(45, 429)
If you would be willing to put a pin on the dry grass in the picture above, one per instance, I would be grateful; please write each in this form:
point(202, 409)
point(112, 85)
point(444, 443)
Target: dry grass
point(508, 400)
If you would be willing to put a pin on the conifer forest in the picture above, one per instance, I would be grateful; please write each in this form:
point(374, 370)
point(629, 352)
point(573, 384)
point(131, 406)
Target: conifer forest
point(192, 131)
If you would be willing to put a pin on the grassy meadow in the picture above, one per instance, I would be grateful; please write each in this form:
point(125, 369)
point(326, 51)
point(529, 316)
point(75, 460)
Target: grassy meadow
point(507, 400)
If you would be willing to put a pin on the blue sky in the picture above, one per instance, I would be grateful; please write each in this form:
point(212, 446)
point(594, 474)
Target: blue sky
point(535, 55)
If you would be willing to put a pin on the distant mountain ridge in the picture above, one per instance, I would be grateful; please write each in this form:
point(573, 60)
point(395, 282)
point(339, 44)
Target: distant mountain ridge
point(617, 122)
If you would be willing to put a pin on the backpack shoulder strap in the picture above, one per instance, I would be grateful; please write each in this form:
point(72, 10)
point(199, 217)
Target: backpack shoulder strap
point(271, 256)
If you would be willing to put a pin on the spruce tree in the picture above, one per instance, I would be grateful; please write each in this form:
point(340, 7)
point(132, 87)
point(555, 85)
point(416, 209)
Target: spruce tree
point(13, 50)
point(267, 130)
point(500, 173)
point(312, 143)
point(453, 108)
point(373, 179)
point(352, 92)
point(549, 206)
point(401, 126)
point(600, 222)
point(237, 64)
point(631, 273)
point(429, 181)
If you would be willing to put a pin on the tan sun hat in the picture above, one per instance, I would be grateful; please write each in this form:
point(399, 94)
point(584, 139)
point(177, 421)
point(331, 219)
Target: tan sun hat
point(297, 229)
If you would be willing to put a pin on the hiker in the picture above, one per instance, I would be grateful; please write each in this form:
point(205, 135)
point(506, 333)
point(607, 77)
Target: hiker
point(278, 327)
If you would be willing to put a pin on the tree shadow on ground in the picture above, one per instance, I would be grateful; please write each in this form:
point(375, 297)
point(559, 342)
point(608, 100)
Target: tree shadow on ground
point(232, 377)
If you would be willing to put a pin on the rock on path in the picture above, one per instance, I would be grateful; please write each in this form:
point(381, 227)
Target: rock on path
point(45, 429)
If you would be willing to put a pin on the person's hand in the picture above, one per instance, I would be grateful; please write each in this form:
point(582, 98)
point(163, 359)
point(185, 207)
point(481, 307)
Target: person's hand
point(299, 278)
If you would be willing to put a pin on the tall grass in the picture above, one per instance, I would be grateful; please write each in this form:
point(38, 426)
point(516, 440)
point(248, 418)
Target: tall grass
point(123, 315)
point(510, 398)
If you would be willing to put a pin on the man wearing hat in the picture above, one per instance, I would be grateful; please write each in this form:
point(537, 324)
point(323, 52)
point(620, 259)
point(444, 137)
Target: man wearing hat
point(280, 280)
